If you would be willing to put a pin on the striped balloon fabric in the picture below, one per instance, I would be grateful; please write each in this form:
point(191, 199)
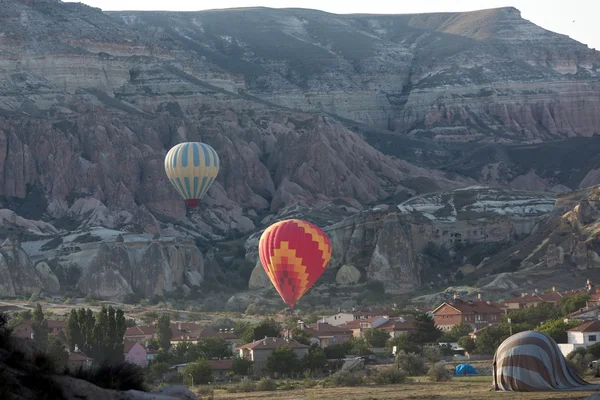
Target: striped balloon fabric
point(532, 362)
point(192, 167)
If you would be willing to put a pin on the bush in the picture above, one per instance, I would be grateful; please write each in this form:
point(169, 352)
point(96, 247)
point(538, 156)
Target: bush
point(411, 363)
point(246, 385)
point(387, 376)
point(346, 378)
point(122, 376)
point(432, 354)
point(439, 373)
point(266, 385)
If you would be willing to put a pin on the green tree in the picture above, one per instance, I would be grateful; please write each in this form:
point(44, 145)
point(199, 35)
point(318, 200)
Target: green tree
point(157, 370)
point(214, 348)
point(59, 354)
point(467, 343)
point(40, 328)
point(456, 332)
point(242, 366)
point(184, 351)
point(534, 315)
point(74, 334)
point(573, 303)
point(358, 347)
point(200, 370)
point(266, 328)
point(283, 361)
point(376, 337)
point(163, 331)
point(336, 351)
point(432, 354)
point(301, 336)
point(557, 329)
point(404, 343)
point(315, 361)
point(425, 330)
point(152, 344)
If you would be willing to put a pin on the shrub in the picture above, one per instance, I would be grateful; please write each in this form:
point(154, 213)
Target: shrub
point(346, 378)
point(122, 376)
point(432, 354)
point(266, 385)
point(411, 363)
point(387, 376)
point(439, 373)
point(246, 385)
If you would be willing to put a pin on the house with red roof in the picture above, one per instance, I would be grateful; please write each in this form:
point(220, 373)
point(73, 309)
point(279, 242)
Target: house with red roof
point(360, 326)
point(583, 335)
point(477, 314)
point(140, 333)
point(259, 350)
point(398, 326)
point(364, 313)
point(324, 334)
point(25, 329)
point(78, 360)
point(135, 353)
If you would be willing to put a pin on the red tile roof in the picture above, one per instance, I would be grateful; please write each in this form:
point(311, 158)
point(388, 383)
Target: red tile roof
point(140, 330)
point(537, 298)
point(324, 329)
point(128, 345)
point(397, 325)
point(78, 357)
point(271, 343)
point(472, 307)
point(592, 326)
point(356, 323)
point(53, 324)
point(221, 364)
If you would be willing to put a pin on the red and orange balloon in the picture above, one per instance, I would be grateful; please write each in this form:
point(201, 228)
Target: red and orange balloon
point(294, 254)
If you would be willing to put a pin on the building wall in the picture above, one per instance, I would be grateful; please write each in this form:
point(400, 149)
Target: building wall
point(339, 319)
point(137, 355)
point(23, 330)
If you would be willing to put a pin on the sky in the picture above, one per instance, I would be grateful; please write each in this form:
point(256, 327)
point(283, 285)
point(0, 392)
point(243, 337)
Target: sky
point(576, 18)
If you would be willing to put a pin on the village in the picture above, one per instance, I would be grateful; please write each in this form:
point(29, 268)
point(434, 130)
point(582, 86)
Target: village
point(467, 331)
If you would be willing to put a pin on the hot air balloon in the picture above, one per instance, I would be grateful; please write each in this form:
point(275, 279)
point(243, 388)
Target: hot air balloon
point(294, 254)
point(192, 167)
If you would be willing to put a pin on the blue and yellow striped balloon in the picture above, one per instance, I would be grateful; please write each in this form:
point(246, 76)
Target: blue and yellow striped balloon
point(192, 167)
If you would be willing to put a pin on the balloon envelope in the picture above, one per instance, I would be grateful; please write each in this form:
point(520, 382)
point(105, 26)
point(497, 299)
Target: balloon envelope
point(192, 167)
point(294, 254)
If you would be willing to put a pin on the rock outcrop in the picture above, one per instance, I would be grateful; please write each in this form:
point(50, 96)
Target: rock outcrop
point(347, 275)
point(259, 278)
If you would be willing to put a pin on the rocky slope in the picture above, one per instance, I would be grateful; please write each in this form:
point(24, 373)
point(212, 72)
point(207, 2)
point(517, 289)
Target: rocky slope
point(313, 115)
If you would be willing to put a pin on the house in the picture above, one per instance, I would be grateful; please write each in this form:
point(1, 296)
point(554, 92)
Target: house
point(140, 333)
point(584, 314)
point(204, 333)
point(476, 313)
point(583, 335)
point(362, 314)
point(324, 334)
point(25, 329)
point(594, 300)
point(259, 350)
point(397, 326)
point(360, 326)
point(220, 368)
point(78, 360)
point(532, 299)
point(135, 353)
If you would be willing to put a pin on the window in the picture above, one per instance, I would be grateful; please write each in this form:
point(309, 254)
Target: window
point(592, 338)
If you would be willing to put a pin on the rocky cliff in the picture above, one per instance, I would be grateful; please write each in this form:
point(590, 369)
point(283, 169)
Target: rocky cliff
point(313, 115)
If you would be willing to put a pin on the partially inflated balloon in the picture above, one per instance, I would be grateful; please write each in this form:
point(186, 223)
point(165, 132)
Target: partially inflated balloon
point(192, 167)
point(294, 254)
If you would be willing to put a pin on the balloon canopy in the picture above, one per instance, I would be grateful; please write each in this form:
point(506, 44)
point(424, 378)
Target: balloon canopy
point(294, 254)
point(192, 167)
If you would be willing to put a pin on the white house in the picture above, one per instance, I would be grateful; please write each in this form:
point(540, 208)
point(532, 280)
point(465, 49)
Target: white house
point(583, 335)
point(362, 314)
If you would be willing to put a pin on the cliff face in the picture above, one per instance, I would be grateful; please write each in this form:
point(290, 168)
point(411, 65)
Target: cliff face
point(313, 115)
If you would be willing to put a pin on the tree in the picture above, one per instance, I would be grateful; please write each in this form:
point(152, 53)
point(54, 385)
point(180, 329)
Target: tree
point(358, 347)
point(557, 329)
point(163, 331)
point(425, 330)
point(266, 328)
point(533, 316)
point(573, 303)
point(376, 337)
point(152, 344)
point(467, 343)
point(456, 332)
point(74, 334)
point(157, 370)
point(242, 366)
point(301, 336)
point(315, 360)
point(404, 343)
point(40, 328)
point(57, 351)
point(432, 354)
point(283, 361)
point(200, 371)
point(214, 348)
point(336, 351)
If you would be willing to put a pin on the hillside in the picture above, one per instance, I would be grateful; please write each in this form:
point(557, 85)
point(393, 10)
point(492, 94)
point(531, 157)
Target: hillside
point(314, 115)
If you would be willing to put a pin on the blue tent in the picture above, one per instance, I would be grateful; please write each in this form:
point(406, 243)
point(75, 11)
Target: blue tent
point(465, 369)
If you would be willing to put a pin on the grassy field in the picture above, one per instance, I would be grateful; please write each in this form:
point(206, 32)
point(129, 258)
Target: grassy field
point(461, 388)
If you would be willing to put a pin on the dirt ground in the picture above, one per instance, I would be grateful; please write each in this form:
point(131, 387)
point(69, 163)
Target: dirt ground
point(460, 388)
